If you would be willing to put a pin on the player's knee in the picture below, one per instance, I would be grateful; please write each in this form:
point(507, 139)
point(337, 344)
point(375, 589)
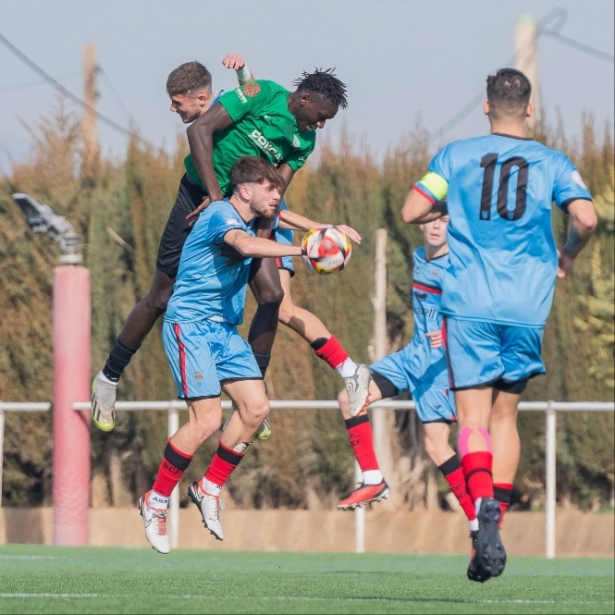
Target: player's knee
point(205, 425)
point(272, 295)
point(255, 412)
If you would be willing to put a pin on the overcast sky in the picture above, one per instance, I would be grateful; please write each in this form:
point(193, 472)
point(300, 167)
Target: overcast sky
point(398, 58)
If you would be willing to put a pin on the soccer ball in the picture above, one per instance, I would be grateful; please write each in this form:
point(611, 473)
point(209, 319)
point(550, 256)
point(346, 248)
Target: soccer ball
point(326, 250)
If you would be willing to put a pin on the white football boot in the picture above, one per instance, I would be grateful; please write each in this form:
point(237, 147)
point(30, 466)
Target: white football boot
point(210, 507)
point(155, 521)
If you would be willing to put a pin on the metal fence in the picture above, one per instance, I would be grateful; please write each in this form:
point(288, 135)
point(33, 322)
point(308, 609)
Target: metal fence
point(550, 408)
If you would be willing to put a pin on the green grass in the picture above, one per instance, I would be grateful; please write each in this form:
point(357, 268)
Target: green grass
point(35, 579)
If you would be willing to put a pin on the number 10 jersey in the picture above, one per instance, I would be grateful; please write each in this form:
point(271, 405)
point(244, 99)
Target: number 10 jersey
point(503, 258)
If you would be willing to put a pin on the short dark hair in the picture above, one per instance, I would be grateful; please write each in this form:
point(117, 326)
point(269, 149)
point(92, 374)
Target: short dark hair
point(509, 91)
point(325, 84)
point(187, 78)
point(255, 170)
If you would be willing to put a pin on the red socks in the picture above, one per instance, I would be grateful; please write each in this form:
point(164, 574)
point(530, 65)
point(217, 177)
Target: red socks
point(172, 466)
point(477, 469)
point(453, 472)
point(362, 442)
point(222, 465)
point(330, 351)
point(503, 494)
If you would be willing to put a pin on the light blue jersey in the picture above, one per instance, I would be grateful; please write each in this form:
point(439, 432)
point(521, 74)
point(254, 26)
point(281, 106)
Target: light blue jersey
point(503, 259)
point(428, 365)
point(210, 285)
point(418, 367)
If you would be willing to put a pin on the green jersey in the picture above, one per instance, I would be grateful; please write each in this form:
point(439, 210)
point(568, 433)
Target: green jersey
point(262, 126)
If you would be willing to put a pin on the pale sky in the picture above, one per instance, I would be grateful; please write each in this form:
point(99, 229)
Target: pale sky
point(399, 58)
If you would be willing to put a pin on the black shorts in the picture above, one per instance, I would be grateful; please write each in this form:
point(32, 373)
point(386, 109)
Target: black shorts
point(175, 233)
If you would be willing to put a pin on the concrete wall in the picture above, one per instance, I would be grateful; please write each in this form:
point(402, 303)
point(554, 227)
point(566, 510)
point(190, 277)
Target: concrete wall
point(578, 534)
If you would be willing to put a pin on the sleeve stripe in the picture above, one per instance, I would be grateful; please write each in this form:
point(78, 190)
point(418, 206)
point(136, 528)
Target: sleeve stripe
point(430, 197)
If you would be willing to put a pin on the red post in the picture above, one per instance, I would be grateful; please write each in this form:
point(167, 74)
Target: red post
point(71, 383)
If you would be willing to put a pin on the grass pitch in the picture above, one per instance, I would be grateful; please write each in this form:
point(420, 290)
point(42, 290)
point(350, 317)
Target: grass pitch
point(35, 579)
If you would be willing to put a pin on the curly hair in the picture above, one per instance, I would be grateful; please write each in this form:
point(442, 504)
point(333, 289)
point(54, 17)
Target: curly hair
point(325, 84)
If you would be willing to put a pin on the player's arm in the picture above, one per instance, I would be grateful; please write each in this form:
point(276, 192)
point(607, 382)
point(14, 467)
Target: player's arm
point(425, 201)
point(255, 247)
point(296, 222)
point(238, 64)
point(583, 222)
point(200, 138)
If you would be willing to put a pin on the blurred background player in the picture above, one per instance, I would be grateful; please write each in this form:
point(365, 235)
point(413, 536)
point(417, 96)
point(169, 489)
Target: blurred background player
point(261, 118)
point(499, 286)
point(204, 349)
point(421, 369)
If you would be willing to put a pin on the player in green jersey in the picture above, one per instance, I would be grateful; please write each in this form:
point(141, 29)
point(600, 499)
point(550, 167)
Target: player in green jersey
point(286, 138)
point(264, 119)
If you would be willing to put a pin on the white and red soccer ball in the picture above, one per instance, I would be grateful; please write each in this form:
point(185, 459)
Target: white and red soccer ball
point(326, 250)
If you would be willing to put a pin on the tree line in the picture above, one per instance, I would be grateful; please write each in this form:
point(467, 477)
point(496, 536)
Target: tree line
point(120, 208)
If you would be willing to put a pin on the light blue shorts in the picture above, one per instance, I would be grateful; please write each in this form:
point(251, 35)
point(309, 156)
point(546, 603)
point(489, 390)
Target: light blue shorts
point(479, 353)
point(204, 353)
point(434, 403)
point(284, 236)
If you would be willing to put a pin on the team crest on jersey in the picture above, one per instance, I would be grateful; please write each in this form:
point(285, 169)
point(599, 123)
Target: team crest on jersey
point(296, 142)
point(577, 179)
point(198, 375)
point(251, 89)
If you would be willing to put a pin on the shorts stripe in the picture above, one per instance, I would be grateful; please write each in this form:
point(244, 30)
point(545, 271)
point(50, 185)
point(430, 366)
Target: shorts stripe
point(182, 359)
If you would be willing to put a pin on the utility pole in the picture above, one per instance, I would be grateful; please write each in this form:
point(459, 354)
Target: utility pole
point(526, 60)
point(383, 420)
point(90, 136)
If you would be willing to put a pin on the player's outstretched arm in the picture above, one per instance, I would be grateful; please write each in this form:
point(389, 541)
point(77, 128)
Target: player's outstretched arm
point(255, 247)
point(297, 222)
point(235, 62)
point(583, 222)
point(200, 138)
point(418, 209)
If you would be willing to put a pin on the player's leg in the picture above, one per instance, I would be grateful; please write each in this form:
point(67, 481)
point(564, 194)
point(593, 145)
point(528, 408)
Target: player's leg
point(195, 375)
point(521, 358)
point(267, 290)
point(144, 315)
point(373, 487)
point(435, 408)
point(506, 446)
point(241, 380)
point(326, 346)
point(474, 356)
point(390, 377)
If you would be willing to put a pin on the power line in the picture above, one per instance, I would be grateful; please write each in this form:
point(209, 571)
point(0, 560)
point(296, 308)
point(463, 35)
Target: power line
point(58, 86)
point(114, 93)
point(592, 51)
point(558, 18)
point(15, 87)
